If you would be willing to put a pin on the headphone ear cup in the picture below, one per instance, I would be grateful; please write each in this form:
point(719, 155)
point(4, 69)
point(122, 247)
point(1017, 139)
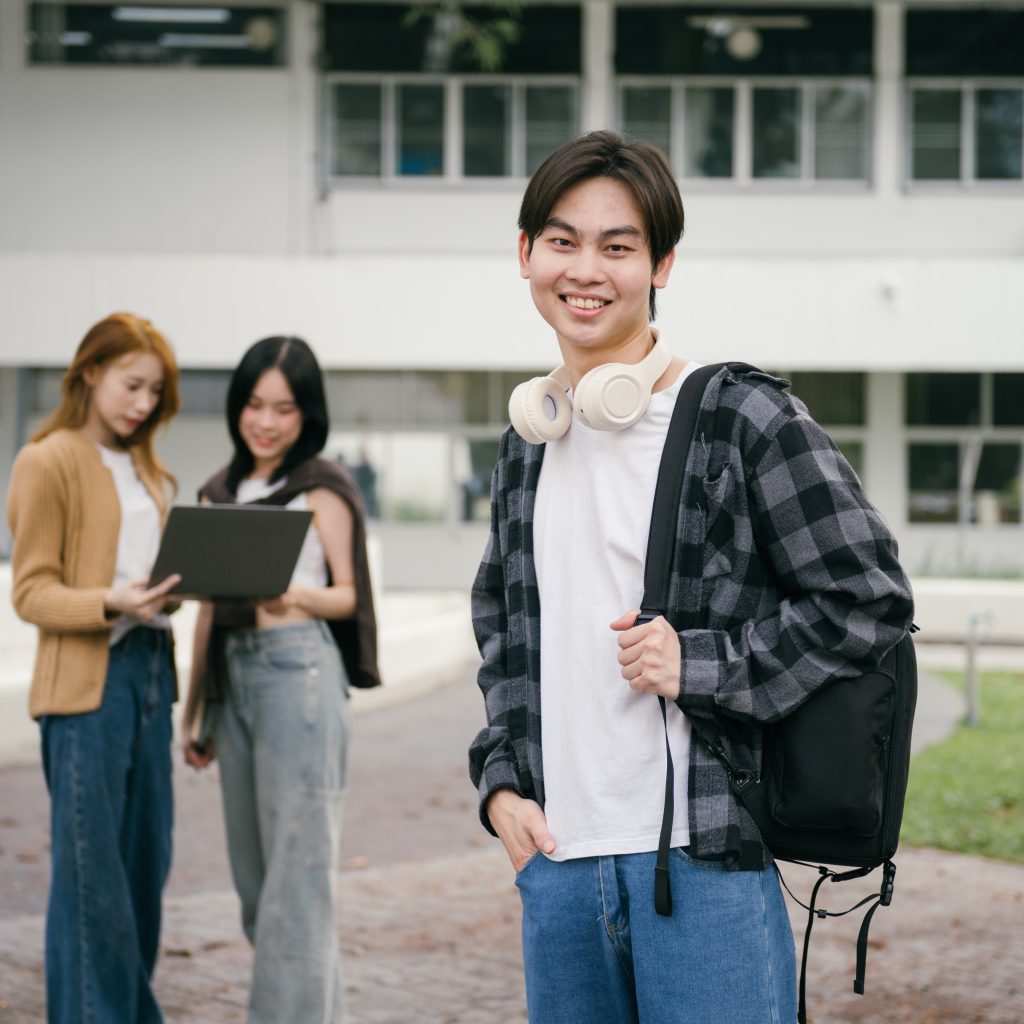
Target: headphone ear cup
point(540, 410)
point(611, 397)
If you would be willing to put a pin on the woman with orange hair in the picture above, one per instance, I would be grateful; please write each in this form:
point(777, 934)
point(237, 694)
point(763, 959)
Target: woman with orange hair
point(87, 500)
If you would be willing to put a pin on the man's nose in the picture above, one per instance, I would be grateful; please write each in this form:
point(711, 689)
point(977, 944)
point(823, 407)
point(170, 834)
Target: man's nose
point(585, 265)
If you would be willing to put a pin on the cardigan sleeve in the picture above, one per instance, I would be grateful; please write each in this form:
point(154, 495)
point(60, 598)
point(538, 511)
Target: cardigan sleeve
point(37, 511)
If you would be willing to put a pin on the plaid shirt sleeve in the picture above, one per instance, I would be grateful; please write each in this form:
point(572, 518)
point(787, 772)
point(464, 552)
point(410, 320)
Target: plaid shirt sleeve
point(844, 599)
point(492, 763)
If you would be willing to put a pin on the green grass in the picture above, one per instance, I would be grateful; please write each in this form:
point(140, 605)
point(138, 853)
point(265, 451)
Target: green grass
point(967, 793)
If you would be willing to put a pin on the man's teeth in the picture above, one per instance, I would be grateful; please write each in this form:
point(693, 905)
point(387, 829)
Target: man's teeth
point(578, 303)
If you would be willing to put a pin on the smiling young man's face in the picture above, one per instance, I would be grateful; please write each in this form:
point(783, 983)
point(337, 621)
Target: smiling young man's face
point(590, 274)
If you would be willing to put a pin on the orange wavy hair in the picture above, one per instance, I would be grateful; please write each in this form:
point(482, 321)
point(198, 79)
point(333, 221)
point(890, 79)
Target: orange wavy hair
point(115, 336)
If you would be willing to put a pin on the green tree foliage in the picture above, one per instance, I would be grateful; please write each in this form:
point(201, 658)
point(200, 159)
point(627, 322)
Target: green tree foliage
point(486, 37)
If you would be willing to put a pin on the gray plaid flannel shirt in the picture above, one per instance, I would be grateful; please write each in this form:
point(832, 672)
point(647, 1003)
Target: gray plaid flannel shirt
point(791, 576)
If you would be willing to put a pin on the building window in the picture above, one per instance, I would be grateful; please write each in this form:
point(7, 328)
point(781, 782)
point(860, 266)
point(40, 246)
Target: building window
point(965, 73)
point(773, 94)
point(964, 455)
point(407, 99)
point(812, 131)
point(943, 399)
point(833, 399)
point(226, 35)
point(1008, 400)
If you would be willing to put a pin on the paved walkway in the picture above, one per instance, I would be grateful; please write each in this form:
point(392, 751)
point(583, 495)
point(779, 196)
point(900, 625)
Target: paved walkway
point(436, 942)
point(435, 939)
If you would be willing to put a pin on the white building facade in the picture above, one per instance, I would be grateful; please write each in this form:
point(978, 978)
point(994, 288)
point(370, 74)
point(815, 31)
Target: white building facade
point(851, 172)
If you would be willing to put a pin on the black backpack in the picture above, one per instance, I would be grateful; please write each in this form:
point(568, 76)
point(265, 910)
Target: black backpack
point(834, 772)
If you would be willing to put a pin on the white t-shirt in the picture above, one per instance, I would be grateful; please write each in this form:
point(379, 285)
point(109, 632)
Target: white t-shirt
point(311, 567)
point(139, 538)
point(603, 743)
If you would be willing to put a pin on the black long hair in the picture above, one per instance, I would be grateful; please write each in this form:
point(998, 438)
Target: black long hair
point(295, 359)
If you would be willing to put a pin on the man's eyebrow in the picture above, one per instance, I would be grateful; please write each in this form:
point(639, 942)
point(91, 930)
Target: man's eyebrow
point(626, 229)
point(560, 225)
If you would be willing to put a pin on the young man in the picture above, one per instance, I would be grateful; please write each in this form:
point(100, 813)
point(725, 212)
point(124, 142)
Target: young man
point(800, 585)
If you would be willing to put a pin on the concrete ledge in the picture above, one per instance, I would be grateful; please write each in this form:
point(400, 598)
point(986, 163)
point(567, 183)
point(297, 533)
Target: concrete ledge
point(945, 608)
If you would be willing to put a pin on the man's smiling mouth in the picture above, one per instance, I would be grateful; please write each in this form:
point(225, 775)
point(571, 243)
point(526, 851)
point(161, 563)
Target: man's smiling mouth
point(577, 303)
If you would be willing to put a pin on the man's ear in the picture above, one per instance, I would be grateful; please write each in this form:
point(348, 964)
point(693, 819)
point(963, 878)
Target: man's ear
point(524, 255)
point(662, 270)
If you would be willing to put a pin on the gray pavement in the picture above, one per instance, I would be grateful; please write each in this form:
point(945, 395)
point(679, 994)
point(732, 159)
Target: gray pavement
point(431, 917)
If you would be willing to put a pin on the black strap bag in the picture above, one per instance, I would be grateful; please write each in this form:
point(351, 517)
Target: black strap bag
point(833, 777)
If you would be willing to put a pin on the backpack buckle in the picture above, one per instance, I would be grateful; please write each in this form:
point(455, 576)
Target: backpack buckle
point(888, 881)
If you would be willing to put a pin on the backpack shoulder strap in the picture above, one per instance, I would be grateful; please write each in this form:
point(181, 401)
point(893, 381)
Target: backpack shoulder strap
point(657, 570)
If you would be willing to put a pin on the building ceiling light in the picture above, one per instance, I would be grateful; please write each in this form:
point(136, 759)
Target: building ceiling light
point(179, 15)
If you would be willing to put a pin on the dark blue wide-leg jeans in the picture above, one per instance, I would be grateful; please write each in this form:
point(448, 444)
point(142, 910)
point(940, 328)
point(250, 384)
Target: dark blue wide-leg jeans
point(109, 776)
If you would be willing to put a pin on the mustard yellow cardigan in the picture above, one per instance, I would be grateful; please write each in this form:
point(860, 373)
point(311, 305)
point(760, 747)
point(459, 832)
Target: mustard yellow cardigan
point(65, 517)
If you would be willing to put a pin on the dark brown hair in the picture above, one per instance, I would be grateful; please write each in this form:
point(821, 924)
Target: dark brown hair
point(296, 361)
point(114, 337)
point(641, 167)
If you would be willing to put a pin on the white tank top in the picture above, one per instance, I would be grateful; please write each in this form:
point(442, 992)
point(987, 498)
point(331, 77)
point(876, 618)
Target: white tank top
point(139, 537)
point(604, 744)
point(311, 568)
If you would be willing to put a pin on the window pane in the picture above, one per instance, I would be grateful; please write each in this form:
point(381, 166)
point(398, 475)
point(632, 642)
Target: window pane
point(420, 136)
point(689, 39)
point(1008, 399)
point(357, 130)
point(935, 134)
point(776, 133)
point(998, 134)
point(380, 36)
point(403, 476)
point(996, 497)
point(486, 121)
point(474, 464)
point(647, 114)
point(934, 473)
point(840, 134)
point(853, 452)
point(222, 36)
point(943, 399)
point(831, 398)
point(965, 43)
point(550, 121)
point(708, 133)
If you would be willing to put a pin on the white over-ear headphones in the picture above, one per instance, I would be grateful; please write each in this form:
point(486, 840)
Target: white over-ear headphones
point(612, 396)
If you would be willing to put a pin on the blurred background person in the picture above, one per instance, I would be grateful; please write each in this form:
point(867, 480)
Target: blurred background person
point(86, 502)
point(279, 670)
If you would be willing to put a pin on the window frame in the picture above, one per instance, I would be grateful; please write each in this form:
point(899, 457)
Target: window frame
point(743, 127)
point(968, 88)
point(453, 132)
point(982, 434)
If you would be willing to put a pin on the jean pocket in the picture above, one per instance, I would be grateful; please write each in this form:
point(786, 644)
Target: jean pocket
point(683, 854)
point(288, 657)
point(529, 864)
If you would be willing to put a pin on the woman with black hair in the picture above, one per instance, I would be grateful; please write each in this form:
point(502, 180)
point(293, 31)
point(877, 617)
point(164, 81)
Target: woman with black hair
point(278, 673)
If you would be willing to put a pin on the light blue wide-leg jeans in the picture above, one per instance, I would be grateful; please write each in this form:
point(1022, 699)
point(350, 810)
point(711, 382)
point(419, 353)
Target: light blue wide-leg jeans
point(282, 743)
point(596, 952)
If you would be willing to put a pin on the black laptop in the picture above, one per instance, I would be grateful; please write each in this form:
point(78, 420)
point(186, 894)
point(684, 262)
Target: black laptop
point(231, 552)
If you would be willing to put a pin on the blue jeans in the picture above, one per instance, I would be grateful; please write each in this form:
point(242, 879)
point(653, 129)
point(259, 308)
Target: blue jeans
point(109, 776)
point(596, 952)
point(282, 743)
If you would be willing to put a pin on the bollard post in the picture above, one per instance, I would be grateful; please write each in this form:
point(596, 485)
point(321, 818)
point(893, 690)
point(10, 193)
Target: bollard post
point(972, 684)
point(971, 673)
